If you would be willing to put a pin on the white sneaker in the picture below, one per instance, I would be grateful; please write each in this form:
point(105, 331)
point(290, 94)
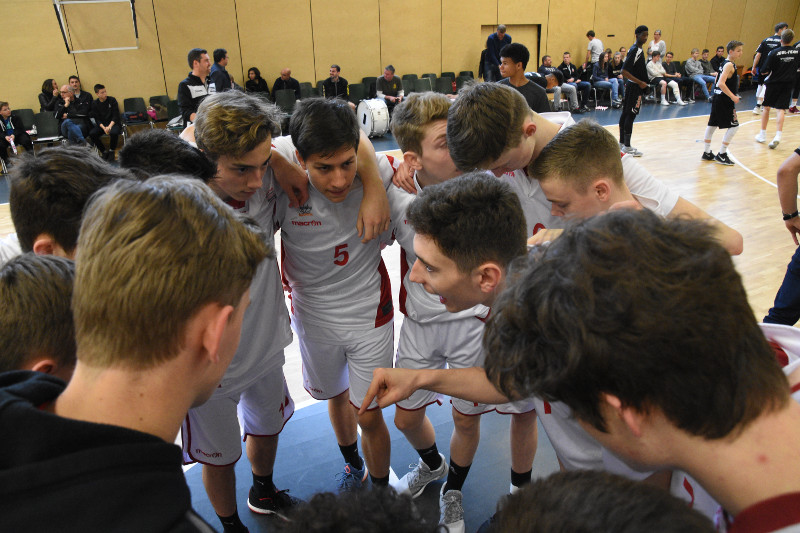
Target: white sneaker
point(761, 138)
point(757, 111)
point(451, 512)
point(775, 142)
point(681, 102)
point(664, 102)
point(632, 151)
point(415, 481)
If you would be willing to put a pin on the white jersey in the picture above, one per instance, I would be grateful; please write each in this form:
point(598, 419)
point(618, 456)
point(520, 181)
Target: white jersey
point(9, 248)
point(649, 191)
point(415, 302)
point(265, 327)
point(338, 284)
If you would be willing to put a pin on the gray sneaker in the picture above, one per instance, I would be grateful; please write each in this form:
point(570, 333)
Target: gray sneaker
point(632, 151)
point(418, 478)
point(451, 511)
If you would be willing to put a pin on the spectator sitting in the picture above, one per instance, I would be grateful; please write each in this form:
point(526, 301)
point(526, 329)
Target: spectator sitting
point(571, 91)
point(255, 83)
point(717, 60)
point(601, 80)
point(48, 98)
point(694, 69)
point(494, 44)
point(615, 71)
point(707, 70)
point(671, 71)
point(335, 86)
point(105, 112)
point(73, 116)
point(657, 44)
point(571, 76)
point(286, 81)
point(656, 73)
point(389, 88)
point(513, 60)
point(12, 133)
point(624, 52)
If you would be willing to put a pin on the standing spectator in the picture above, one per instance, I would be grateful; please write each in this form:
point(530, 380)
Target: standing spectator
point(635, 71)
point(335, 86)
point(73, 116)
point(547, 68)
point(717, 60)
point(12, 132)
point(105, 112)
point(657, 44)
point(767, 45)
point(594, 49)
point(197, 85)
point(694, 69)
point(572, 77)
point(286, 81)
point(389, 88)
point(496, 42)
point(255, 83)
point(658, 77)
point(671, 71)
point(781, 69)
point(601, 81)
point(615, 72)
point(513, 61)
point(220, 77)
point(48, 98)
point(723, 110)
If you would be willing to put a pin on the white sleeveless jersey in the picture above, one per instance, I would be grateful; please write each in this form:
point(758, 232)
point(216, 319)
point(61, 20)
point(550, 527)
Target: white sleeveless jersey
point(415, 302)
point(337, 283)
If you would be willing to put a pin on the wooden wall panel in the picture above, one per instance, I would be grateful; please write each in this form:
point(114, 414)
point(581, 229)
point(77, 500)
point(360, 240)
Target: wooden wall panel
point(728, 16)
point(275, 35)
point(758, 22)
point(522, 11)
point(348, 37)
point(786, 11)
point(658, 16)
point(691, 28)
point(462, 42)
point(568, 23)
point(411, 37)
point(615, 18)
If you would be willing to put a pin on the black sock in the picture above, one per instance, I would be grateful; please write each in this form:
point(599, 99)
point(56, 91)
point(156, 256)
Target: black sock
point(263, 485)
point(380, 481)
point(232, 524)
point(350, 454)
point(518, 480)
point(456, 477)
point(430, 456)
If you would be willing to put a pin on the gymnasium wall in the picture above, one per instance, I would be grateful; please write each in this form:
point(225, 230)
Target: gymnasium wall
point(362, 36)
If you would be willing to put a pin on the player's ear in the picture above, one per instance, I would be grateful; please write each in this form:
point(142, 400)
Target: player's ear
point(528, 128)
point(412, 160)
point(602, 189)
point(632, 418)
point(44, 244)
point(301, 160)
point(489, 276)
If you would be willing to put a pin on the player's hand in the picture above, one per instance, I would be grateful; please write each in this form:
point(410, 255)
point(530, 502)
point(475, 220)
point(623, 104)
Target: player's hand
point(404, 178)
point(627, 204)
point(544, 236)
point(642, 85)
point(292, 179)
point(736, 98)
point(389, 385)
point(374, 216)
point(793, 225)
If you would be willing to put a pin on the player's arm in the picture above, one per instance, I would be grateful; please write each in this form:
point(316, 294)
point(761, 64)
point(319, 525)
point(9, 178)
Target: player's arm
point(390, 385)
point(787, 192)
point(373, 215)
point(726, 73)
point(728, 237)
point(291, 178)
point(628, 76)
point(756, 59)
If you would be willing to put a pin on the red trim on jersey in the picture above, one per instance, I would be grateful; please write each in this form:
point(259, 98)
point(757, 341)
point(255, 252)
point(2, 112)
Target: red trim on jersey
point(548, 409)
point(385, 308)
point(621, 154)
point(471, 414)
point(403, 270)
point(537, 228)
point(418, 408)
point(244, 438)
point(236, 204)
point(485, 318)
point(186, 442)
point(770, 515)
point(391, 162)
point(780, 354)
point(285, 281)
point(795, 388)
point(499, 412)
point(689, 489)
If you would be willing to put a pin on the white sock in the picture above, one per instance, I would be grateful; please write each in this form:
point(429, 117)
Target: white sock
point(707, 138)
point(723, 149)
point(778, 135)
point(763, 132)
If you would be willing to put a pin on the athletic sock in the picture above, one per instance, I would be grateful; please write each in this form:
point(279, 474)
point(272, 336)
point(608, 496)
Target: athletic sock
point(350, 454)
point(778, 135)
point(380, 481)
point(430, 456)
point(456, 477)
point(707, 147)
point(763, 132)
point(723, 149)
point(518, 480)
point(263, 485)
point(232, 524)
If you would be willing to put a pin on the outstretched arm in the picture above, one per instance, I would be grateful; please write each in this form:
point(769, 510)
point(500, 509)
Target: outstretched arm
point(291, 178)
point(728, 237)
point(374, 215)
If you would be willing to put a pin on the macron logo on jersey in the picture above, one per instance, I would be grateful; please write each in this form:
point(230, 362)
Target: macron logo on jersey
point(305, 211)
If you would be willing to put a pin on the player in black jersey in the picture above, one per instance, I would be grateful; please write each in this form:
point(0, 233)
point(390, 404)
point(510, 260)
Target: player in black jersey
point(723, 110)
point(635, 72)
point(767, 45)
point(780, 69)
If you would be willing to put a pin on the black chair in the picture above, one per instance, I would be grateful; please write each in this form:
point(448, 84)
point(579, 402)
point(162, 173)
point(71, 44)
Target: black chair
point(161, 104)
point(461, 81)
point(26, 116)
point(422, 85)
point(411, 77)
point(285, 99)
point(408, 86)
point(357, 92)
point(451, 75)
point(370, 82)
point(135, 105)
point(175, 121)
point(320, 92)
point(306, 90)
point(47, 130)
point(467, 73)
point(444, 85)
point(430, 75)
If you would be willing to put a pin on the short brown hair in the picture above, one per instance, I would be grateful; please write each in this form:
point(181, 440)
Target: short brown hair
point(233, 123)
point(484, 121)
point(35, 318)
point(150, 254)
point(413, 115)
point(579, 155)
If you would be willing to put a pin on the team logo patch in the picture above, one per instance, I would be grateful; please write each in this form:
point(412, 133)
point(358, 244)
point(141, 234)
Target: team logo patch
point(305, 210)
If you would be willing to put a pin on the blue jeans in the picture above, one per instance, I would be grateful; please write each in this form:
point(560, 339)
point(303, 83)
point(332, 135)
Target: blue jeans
point(612, 85)
point(786, 309)
point(73, 131)
point(583, 88)
point(702, 80)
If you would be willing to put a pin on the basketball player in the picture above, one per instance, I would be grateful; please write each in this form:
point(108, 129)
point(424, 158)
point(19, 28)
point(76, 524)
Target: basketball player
point(781, 70)
point(767, 45)
point(723, 112)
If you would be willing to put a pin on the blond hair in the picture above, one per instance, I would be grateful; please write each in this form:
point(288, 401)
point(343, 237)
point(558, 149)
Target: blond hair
point(150, 255)
point(579, 155)
point(412, 117)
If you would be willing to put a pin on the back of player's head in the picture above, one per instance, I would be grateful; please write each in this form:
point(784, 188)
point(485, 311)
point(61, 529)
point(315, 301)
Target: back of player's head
point(35, 318)
point(195, 54)
point(219, 54)
point(517, 53)
point(48, 192)
point(321, 126)
point(579, 155)
point(594, 501)
point(484, 121)
point(150, 255)
point(379, 509)
point(473, 219)
point(413, 115)
point(153, 152)
point(733, 45)
point(649, 310)
point(233, 123)
point(780, 26)
point(787, 36)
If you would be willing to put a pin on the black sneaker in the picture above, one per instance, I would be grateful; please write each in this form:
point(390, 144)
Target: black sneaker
point(278, 504)
point(723, 159)
point(708, 156)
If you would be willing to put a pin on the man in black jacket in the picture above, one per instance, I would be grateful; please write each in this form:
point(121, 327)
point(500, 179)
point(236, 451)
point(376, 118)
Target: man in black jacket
point(73, 115)
point(572, 77)
point(219, 75)
point(105, 112)
point(197, 84)
point(12, 131)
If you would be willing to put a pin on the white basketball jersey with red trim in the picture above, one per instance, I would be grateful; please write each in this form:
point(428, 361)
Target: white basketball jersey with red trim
point(336, 281)
point(415, 302)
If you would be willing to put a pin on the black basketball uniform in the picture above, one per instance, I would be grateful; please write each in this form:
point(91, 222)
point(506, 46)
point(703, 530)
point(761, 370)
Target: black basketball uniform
point(723, 110)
